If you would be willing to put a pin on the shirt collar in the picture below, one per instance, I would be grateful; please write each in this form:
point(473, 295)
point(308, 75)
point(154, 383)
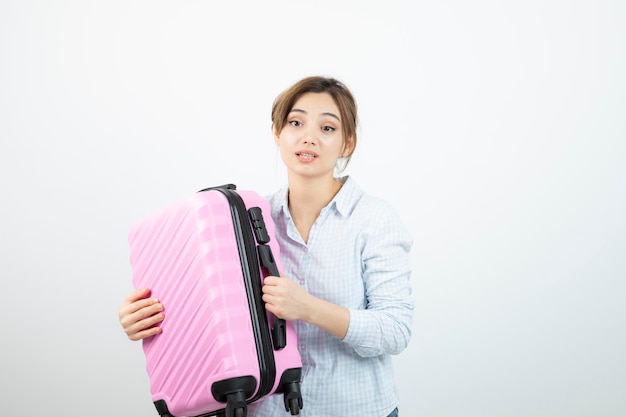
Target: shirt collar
point(344, 202)
point(348, 196)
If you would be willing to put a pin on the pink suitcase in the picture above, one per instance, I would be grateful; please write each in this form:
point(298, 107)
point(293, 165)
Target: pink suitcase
point(204, 257)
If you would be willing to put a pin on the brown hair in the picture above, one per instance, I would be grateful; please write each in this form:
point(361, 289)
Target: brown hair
point(338, 91)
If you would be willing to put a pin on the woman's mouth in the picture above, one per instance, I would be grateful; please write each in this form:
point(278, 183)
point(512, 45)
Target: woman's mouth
point(306, 156)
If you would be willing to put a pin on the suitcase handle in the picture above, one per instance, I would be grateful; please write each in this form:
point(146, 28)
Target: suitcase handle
point(218, 187)
point(279, 330)
point(266, 258)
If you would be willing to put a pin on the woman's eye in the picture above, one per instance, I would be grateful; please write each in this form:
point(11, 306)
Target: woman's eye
point(328, 129)
point(295, 123)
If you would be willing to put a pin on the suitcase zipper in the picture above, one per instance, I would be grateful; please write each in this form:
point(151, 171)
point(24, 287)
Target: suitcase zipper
point(252, 278)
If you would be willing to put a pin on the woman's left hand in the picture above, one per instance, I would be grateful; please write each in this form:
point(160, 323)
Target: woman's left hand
point(285, 299)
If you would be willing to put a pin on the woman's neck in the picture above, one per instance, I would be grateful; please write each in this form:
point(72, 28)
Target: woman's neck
point(311, 195)
point(307, 198)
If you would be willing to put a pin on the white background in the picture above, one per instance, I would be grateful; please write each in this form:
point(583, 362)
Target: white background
point(498, 130)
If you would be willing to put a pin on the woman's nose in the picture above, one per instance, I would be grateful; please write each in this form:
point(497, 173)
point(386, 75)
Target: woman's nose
point(310, 138)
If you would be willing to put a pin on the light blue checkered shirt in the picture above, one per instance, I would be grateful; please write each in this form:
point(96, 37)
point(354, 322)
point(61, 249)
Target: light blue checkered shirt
point(357, 256)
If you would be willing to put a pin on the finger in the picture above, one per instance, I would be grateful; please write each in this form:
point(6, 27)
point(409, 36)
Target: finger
point(271, 308)
point(135, 306)
point(132, 314)
point(271, 290)
point(271, 280)
point(137, 295)
point(145, 327)
point(143, 334)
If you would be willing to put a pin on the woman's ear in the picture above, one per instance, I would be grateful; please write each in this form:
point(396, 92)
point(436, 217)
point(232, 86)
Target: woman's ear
point(348, 148)
point(276, 136)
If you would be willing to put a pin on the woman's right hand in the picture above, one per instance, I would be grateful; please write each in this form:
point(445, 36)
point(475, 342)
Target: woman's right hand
point(140, 315)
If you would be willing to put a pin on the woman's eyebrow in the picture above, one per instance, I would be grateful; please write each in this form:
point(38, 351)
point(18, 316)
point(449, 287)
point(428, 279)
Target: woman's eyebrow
point(325, 113)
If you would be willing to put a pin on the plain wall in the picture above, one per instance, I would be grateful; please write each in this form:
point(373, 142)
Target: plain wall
point(497, 129)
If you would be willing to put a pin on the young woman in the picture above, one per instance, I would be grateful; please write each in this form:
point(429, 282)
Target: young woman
point(347, 257)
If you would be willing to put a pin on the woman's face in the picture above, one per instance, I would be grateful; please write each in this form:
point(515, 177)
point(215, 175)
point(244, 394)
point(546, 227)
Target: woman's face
point(312, 139)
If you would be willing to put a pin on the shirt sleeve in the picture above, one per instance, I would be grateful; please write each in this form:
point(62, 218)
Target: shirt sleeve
point(384, 326)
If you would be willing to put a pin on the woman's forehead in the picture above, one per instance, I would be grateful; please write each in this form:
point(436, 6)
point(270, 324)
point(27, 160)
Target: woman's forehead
point(316, 104)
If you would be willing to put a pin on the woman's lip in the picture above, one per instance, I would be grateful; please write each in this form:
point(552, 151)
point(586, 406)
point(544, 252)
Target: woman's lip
point(305, 153)
point(305, 156)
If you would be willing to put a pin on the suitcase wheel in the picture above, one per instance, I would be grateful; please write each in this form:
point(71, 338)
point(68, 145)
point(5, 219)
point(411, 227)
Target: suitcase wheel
point(290, 387)
point(234, 392)
point(292, 398)
point(236, 405)
point(294, 406)
point(162, 409)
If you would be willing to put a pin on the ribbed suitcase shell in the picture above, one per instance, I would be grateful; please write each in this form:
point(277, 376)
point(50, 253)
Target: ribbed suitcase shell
point(189, 256)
